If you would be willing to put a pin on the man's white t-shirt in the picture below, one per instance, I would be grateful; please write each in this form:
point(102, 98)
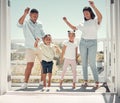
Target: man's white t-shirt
point(89, 29)
point(70, 52)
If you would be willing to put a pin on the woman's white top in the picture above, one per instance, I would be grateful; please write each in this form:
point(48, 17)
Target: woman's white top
point(89, 29)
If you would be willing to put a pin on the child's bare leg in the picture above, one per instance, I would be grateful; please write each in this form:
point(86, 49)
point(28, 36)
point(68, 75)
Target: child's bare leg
point(44, 80)
point(41, 73)
point(74, 85)
point(41, 79)
point(49, 79)
point(61, 81)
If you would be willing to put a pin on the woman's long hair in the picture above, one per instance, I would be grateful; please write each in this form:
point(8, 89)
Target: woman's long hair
point(90, 11)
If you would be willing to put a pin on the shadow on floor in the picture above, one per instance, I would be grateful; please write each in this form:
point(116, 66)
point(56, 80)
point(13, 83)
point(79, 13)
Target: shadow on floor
point(57, 89)
point(78, 89)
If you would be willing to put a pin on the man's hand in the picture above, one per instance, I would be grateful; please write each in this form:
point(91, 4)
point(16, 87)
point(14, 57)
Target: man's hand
point(26, 11)
point(36, 42)
point(37, 39)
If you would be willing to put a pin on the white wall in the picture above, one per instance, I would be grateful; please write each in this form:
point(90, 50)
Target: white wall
point(4, 45)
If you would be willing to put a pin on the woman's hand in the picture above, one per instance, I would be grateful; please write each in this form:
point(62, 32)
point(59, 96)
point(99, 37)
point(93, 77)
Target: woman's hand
point(69, 24)
point(91, 3)
point(98, 13)
point(64, 18)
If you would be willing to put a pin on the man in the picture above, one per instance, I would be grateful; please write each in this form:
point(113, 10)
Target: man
point(33, 32)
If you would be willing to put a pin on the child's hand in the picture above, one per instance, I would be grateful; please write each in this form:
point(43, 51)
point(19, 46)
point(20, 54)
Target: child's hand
point(61, 60)
point(57, 49)
point(36, 44)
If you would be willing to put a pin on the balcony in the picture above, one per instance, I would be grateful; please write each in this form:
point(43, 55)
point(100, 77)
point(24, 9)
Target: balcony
point(18, 65)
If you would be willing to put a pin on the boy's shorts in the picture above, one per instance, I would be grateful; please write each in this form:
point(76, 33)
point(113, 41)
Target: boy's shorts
point(47, 66)
point(31, 54)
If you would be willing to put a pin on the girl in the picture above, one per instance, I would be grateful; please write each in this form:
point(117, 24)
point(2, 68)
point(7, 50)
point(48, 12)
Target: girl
point(69, 54)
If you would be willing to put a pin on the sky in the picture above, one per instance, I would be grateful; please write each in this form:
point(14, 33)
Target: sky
point(51, 13)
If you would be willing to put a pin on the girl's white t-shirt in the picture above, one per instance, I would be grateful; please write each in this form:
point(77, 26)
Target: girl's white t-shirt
point(70, 52)
point(89, 29)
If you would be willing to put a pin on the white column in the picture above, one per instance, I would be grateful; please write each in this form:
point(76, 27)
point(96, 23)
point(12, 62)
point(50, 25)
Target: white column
point(117, 2)
point(110, 45)
point(4, 45)
point(115, 11)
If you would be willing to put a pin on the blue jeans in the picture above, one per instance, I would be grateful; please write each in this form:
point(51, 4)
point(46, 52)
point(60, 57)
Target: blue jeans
point(88, 50)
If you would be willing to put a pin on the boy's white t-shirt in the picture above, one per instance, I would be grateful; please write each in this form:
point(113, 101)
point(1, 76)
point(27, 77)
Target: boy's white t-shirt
point(89, 29)
point(70, 52)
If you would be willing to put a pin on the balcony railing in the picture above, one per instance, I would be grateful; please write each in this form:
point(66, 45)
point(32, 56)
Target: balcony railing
point(18, 64)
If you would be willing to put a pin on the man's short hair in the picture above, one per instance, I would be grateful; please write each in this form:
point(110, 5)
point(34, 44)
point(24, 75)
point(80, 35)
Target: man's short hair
point(34, 11)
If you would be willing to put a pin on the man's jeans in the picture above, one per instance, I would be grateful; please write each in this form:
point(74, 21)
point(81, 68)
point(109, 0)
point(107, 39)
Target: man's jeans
point(88, 49)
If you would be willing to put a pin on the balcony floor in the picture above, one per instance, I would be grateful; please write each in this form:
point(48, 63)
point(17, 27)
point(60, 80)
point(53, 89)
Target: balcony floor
point(32, 97)
point(34, 94)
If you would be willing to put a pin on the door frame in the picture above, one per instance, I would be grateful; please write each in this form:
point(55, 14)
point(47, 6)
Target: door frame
point(5, 42)
point(113, 35)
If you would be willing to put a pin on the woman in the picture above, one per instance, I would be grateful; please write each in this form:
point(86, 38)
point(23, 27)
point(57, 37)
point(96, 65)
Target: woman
point(88, 43)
